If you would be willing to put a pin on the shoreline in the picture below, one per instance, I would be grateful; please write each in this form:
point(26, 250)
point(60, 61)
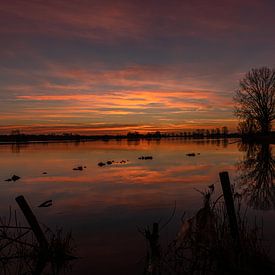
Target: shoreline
point(30, 139)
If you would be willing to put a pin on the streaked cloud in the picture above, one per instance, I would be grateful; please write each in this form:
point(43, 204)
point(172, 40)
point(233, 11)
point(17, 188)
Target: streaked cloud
point(152, 65)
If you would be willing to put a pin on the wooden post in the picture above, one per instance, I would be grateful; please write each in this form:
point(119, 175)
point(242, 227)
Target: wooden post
point(32, 222)
point(154, 241)
point(155, 248)
point(154, 253)
point(230, 207)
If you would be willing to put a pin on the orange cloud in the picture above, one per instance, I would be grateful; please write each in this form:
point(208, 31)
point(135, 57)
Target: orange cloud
point(160, 97)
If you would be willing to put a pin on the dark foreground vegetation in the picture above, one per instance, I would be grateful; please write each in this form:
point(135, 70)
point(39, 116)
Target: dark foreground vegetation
point(218, 239)
point(30, 248)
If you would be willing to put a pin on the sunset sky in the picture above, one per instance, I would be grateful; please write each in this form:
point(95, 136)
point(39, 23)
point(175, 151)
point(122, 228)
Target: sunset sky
point(87, 66)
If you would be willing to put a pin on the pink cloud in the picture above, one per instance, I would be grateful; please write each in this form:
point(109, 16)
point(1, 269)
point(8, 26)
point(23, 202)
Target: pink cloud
point(109, 20)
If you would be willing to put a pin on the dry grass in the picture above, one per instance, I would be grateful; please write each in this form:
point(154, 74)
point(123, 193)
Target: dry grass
point(204, 244)
point(20, 252)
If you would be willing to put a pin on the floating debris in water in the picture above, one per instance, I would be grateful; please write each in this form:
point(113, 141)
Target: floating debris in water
point(13, 178)
point(46, 203)
point(145, 157)
point(191, 154)
point(79, 168)
point(110, 162)
point(44, 173)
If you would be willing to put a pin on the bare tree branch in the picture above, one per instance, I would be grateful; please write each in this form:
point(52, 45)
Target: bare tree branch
point(255, 101)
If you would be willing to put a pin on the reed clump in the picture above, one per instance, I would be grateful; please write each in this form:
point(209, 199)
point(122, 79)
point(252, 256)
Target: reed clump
point(21, 253)
point(204, 243)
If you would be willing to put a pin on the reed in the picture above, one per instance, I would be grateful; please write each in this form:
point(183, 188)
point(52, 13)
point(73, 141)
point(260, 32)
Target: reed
point(204, 243)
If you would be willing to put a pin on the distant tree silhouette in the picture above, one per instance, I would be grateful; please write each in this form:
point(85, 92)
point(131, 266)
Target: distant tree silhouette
point(224, 131)
point(249, 126)
point(255, 100)
point(133, 135)
point(15, 132)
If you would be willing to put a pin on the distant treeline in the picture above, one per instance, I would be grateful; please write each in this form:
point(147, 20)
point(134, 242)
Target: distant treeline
point(198, 133)
point(16, 136)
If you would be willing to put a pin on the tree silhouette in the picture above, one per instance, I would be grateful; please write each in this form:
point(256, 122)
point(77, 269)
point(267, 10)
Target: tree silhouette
point(255, 100)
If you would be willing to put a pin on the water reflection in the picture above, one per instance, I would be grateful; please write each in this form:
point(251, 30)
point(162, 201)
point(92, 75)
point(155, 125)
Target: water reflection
point(126, 143)
point(257, 173)
point(103, 205)
point(16, 147)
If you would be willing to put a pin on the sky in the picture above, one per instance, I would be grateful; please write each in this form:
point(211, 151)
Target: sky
point(86, 66)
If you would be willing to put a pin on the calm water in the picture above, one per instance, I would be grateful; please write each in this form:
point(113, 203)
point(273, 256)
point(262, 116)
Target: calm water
point(104, 205)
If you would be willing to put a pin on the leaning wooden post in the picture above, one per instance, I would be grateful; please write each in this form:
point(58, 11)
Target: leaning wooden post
point(230, 207)
point(32, 222)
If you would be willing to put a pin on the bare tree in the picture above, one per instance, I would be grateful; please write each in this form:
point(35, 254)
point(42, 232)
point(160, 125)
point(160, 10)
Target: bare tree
point(249, 126)
point(255, 99)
